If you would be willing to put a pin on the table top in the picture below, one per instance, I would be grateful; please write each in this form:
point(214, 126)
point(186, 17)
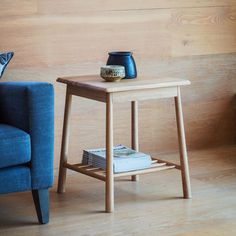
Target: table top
point(95, 82)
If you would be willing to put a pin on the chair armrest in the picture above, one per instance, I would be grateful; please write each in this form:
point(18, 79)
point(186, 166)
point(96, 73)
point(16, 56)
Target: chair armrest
point(30, 107)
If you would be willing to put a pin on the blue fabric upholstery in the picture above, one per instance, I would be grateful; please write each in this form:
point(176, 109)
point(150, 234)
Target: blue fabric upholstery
point(14, 146)
point(27, 140)
point(15, 179)
point(29, 106)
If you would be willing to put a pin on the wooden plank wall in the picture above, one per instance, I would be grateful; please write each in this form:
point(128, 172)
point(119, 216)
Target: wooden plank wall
point(193, 39)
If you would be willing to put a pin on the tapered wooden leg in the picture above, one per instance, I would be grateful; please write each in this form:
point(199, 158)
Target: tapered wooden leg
point(41, 202)
point(64, 144)
point(134, 131)
point(109, 155)
point(182, 147)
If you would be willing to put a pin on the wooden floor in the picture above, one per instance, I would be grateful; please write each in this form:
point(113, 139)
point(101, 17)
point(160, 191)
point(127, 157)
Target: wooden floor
point(151, 207)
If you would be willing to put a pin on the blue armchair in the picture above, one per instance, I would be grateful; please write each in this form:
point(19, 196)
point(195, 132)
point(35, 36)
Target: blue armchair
point(27, 141)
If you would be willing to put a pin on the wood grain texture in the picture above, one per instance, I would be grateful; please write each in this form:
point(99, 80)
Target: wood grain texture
point(193, 40)
point(200, 31)
point(63, 39)
point(75, 6)
point(18, 7)
point(161, 33)
point(144, 208)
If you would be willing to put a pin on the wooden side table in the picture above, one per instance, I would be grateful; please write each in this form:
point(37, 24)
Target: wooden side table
point(93, 87)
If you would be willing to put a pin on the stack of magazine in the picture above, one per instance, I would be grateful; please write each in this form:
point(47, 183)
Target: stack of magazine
point(125, 159)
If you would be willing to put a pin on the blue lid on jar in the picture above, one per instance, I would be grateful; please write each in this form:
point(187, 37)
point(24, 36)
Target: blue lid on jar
point(120, 53)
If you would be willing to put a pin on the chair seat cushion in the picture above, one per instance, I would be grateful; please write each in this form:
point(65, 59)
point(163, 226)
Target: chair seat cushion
point(15, 148)
point(15, 179)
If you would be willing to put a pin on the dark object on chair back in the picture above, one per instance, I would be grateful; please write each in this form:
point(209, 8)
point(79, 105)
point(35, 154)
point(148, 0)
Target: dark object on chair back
point(4, 60)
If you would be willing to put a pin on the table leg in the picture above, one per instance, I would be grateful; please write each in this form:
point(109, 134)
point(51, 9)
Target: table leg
point(109, 155)
point(134, 131)
point(182, 147)
point(64, 144)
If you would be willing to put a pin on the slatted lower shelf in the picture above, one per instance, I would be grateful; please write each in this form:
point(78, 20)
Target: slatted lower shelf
point(98, 173)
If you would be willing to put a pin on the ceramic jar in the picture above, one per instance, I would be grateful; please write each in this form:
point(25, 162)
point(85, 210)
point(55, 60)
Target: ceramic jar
point(124, 59)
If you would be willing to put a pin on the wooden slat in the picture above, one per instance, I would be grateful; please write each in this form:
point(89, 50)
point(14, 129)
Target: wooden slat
point(167, 163)
point(93, 169)
point(81, 165)
point(84, 171)
point(158, 165)
point(101, 174)
point(144, 171)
